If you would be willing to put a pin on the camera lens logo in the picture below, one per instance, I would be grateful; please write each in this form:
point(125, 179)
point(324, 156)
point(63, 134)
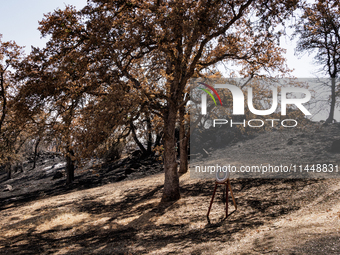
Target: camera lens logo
point(208, 92)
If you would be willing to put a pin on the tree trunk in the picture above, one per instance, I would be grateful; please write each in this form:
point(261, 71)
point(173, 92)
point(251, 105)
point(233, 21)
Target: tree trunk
point(9, 173)
point(183, 143)
point(135, 138)
point(149, 129)
point(171, 181)
point(4, 100)
point(35, 153)
point(158, 139)
point(9, 170)
point(69, 167)
point(183, 166)
point(331, 112)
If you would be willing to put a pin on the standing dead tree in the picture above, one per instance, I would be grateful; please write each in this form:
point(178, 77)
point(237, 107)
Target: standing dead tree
point(318, 31)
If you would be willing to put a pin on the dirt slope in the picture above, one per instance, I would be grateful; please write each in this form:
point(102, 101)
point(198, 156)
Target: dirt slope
point(274, 216)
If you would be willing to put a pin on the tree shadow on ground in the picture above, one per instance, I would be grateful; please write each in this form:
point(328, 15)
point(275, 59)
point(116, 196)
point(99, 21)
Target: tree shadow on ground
point(329, 244)
point(258, 200)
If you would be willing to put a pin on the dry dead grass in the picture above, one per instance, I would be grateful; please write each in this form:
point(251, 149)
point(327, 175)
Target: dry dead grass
point(274, 216)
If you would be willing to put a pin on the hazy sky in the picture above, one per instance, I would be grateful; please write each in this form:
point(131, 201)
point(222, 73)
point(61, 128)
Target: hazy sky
point(19, 22)
point(19, 19)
